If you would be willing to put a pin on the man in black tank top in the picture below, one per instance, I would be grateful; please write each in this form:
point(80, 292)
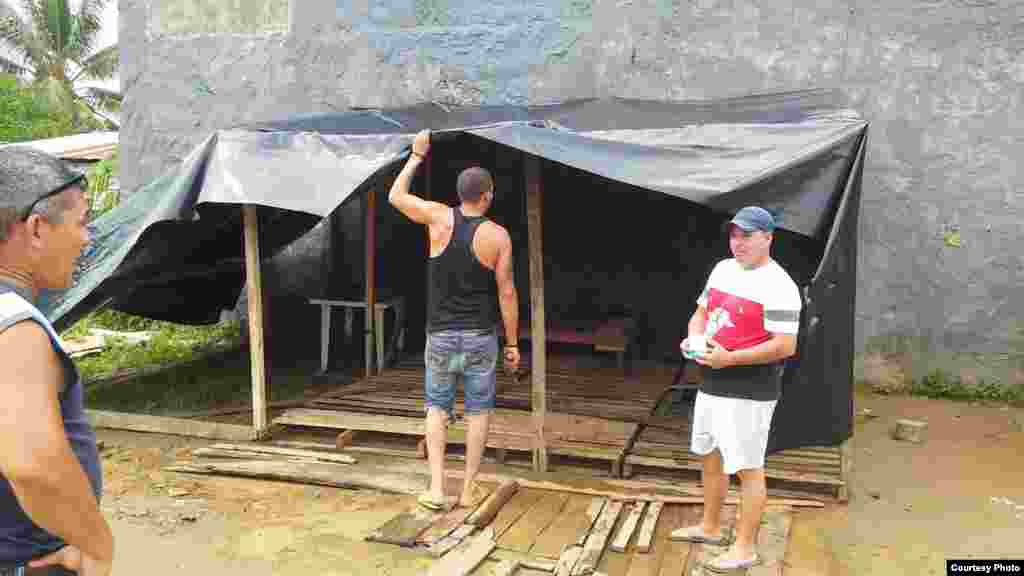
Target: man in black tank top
point(50, 475)
point(470, 278)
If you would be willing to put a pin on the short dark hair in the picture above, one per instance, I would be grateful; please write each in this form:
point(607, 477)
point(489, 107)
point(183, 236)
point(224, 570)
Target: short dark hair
point(472, 183)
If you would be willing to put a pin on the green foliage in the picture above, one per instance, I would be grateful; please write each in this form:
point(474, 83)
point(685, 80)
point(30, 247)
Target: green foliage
point(24, 116)
point(101, 198)
point(171, 343)
point(56, 47)
point(941, 384)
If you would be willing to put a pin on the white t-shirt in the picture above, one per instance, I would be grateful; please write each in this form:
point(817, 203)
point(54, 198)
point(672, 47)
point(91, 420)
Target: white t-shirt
point(744, 308)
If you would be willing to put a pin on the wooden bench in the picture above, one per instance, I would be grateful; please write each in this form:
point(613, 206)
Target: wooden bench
point(608, 335)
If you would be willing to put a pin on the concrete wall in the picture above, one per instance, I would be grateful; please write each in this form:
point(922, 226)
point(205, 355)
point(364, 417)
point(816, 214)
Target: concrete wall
point(940, 80)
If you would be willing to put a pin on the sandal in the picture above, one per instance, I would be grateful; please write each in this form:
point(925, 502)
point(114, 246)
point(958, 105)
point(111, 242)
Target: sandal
point(427, 500)
point(722, 565)
point(477, 495)
point(696, 534)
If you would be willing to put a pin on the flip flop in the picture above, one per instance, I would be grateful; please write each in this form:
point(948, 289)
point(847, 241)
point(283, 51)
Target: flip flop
point(720, 565)
point(427, 501)
point(694, 534)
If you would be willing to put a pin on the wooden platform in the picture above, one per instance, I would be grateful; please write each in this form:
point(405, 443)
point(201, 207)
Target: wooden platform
point(601, 393)
point(594, 413)
point(572, 435)
point(664, 443)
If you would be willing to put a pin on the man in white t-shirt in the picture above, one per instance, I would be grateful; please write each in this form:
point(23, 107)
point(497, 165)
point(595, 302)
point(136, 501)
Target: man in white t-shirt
point(748, 316)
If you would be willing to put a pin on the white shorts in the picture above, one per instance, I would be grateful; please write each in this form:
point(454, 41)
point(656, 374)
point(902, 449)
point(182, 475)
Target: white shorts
point(736, 426)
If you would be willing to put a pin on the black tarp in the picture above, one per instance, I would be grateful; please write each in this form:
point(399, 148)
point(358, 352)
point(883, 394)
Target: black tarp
point(173, 250)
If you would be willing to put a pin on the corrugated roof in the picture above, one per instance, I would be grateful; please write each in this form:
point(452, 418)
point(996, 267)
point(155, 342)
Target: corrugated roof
point(88, 146)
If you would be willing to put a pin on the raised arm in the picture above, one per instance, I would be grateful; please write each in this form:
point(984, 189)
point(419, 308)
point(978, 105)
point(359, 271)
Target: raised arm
point(415, 208)
point(35, 455)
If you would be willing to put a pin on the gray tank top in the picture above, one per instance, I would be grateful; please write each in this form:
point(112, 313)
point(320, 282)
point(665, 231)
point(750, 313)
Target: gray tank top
point(21, 540)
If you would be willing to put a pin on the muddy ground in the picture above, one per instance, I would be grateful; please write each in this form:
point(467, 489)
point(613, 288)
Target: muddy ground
point(959, 494)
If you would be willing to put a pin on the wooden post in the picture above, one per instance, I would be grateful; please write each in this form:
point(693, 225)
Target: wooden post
point(538, 369)
point(254, 287)
point(371, 288)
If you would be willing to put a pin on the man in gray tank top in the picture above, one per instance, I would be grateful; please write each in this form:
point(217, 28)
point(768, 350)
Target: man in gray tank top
point(470, 277)
point(50, 478)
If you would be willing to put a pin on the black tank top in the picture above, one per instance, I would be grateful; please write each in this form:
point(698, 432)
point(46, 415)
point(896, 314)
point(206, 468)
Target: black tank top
point(463, 292)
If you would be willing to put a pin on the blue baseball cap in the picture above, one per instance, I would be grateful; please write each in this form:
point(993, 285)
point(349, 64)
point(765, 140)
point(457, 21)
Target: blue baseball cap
point(753, 218)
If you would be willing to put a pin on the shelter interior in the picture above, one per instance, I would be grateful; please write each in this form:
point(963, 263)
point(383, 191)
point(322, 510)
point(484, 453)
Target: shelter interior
point(610, 250)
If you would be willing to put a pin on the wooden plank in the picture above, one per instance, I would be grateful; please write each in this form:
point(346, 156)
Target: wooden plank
point(597, 504)
point(446, 544)
point(612, 562)
point(676, 554)
point(522, 535)
point(598, 538)
point(310, 473)
point(630, 496)
point(405, 527)
point(494, 502)
point(846, 468)
point(508, 429)
point(522, 501)
point(167, 425)
point(506, 568)
point(566, 530)
point(648, 563)
point(625, 533)
point(464, 563)
point(643, 541)
point(525, 560)
point(254, 292)
point(567, 560)
point(769, 472)
point(352, 421)
point(247, 450)
point(538, 347)
point(370, 244)
point(379, 450)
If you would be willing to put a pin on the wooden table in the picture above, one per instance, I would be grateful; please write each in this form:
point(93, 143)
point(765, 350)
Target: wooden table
point(608, 335)
point(396, 305)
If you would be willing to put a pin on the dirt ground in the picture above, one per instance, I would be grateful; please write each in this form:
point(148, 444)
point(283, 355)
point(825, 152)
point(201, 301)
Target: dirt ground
point(959, 494)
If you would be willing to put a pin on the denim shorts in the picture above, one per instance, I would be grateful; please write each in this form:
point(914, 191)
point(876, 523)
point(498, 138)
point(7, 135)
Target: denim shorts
point(467, 355)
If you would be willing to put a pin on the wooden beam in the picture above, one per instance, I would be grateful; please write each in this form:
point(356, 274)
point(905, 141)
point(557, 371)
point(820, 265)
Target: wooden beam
point(845, 469)
point(165, 425)
point(371, 280)
point(646, 537)
point(625, 534)
point(595, 544)
point(254, 288)
point(625, 495)
point(538, 365)
point(315, 473)
point(253, 451)
point(463, 564)
point(483, 515)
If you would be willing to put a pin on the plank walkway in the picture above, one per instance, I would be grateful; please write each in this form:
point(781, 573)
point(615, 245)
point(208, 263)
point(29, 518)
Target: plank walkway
point(547, 532)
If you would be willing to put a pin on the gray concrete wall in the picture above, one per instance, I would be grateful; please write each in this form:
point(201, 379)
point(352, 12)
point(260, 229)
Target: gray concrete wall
point(940, 80)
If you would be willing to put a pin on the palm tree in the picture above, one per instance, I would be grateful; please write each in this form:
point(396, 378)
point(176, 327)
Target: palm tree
point(57, 49)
